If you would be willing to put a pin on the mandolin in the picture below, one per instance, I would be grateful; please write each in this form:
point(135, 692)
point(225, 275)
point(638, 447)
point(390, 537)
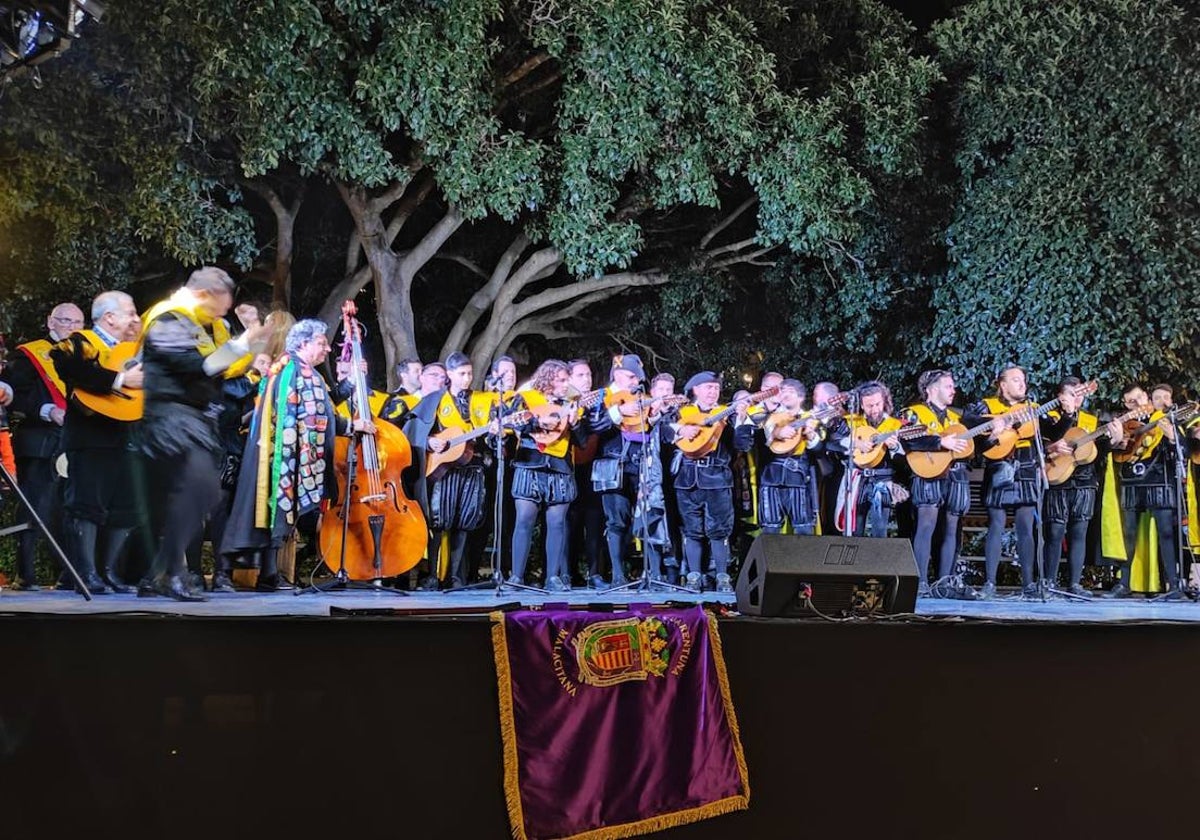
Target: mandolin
point(1061, 465)
point(1141, 439)
point(787, 420)
point(554, 419)
point(868, 443)
point(650, 409)
point(123, 404)
point(712, 423)
point(458, 445)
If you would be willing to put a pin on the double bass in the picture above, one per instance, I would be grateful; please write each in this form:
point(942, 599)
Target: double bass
point(382, 530)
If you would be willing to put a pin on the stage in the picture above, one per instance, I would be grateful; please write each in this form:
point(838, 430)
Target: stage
point(260, 715)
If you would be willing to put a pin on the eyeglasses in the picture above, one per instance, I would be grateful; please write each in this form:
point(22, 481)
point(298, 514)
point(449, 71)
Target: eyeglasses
point(66, 322)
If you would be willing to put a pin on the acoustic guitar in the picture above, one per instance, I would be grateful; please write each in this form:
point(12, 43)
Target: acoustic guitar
point(1061, 465)
point(932, 465)
point(712, 423)
point(124, 404)
point(787, 420)
point(1027, 416)
point(868, 443)
point(459, 448)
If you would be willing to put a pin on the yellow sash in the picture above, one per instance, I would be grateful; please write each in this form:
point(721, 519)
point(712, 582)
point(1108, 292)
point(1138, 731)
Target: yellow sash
point(929, 420)
point(997, 407)
point(184, 303)
point(480, 409)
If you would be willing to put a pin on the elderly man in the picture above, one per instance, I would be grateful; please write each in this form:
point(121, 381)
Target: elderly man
point(99, 501)
point(291, 434)
point(40, 402)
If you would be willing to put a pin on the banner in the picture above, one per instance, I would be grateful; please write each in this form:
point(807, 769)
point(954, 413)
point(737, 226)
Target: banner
point(615, 724)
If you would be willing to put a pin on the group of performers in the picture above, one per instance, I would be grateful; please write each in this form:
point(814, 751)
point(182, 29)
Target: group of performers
point(233, 440)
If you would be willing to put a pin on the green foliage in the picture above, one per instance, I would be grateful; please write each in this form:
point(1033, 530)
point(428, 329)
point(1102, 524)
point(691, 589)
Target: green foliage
point(1072, 242)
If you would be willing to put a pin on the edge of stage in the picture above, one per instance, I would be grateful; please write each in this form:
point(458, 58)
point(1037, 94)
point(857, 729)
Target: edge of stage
point(249, 716)
point(1008, 607)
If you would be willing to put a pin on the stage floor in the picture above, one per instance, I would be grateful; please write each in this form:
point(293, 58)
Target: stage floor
point(1003, 609)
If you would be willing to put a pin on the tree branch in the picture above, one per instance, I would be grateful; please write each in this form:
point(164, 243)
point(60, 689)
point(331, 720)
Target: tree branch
point(483, 298)
point(727, 221)
point(736, 246)
point(524, 69)
point(561, 294)
point(433, 240)
point(749, 257)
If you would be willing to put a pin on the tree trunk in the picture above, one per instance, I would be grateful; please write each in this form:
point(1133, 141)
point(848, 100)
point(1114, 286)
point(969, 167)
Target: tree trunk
point(285, 240)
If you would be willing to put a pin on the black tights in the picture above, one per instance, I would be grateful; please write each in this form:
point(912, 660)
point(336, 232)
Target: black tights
point(1076, 535)
point(458, 555)
point(927, 520)
point(1023, 519)
point(1165, 525)
point(556, 538)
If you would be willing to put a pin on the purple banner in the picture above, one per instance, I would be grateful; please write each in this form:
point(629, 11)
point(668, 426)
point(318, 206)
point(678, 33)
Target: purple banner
point(615, 724)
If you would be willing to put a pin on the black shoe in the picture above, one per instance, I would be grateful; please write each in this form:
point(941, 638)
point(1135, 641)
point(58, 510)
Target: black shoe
point(596, 582)
point(988, 592)
point(272, 584)
point(115, 584)
point(430, 584)
point(221, 582)
point(723, 583)
point(923, 590)
point(1031, 593)
point(1077, 589)
point(170, 587)
point(555, 584)
point(24, 586)
point(1120, 591)
point(619, 581)
point(516, 580)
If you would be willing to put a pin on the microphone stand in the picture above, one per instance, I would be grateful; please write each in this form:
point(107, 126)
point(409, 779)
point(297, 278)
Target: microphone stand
point(37, 521)
point(646, 583)
point(1045, 588)
point(1181, 512)
point(848, 474)
point(340, 579)
point(497, 581)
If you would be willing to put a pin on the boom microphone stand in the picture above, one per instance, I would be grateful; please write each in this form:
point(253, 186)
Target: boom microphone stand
point(497, 581)
point(646, 583)
point(37, 520)
point(848, 513)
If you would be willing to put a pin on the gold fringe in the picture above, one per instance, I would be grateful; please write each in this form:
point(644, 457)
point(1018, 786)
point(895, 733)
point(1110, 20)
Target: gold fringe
point(660, 822)
point(735, 734)
point(508, 728)
point(665, 821)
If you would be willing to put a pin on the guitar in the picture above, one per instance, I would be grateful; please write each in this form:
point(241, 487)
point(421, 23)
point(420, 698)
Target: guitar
point(935, 464)
point(554, 420)
point(1142, 439)
point(787, 420)
point(458, 445)
point(124, 404)
point(1061, 465)
point(868, 443)
point(712, 423)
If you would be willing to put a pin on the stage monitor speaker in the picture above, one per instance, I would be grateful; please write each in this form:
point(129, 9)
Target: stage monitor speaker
point(846, 576)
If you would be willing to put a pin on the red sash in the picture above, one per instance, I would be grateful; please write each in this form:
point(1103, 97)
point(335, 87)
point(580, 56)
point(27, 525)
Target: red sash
point(40, 358)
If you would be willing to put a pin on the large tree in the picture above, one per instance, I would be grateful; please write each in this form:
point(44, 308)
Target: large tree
point(1073, 241)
